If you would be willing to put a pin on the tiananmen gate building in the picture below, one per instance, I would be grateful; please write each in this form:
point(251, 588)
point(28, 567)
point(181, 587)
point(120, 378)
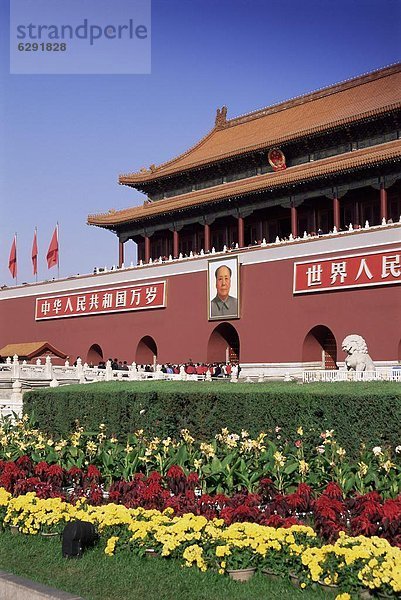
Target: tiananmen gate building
point(298, 205)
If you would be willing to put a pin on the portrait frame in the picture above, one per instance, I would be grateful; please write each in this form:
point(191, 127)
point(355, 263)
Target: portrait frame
point(214, 264)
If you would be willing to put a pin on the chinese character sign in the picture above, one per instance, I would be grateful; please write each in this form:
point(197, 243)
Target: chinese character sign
point(376, 268)
point(135, 297)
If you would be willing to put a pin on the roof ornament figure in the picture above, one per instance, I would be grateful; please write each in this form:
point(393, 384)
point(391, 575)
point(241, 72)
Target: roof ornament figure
point(221, 117)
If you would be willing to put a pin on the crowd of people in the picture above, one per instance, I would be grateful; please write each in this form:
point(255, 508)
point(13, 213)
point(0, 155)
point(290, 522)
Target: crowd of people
point(190, 368)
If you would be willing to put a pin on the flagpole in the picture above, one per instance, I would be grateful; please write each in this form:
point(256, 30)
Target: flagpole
point(58, 253)
point(16, 260)
point(36, 238)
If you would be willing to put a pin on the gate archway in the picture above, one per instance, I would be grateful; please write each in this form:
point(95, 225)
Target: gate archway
point(146, 351)
point(320, 347)
point(95, 354)
point(224, 344)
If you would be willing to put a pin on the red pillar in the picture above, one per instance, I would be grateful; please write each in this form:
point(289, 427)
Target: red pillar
point(241, 237)
point(294, 221)
point(120, 253)
point(175, 244)
point(336, 213)
point(147, 249)
point(260, 231)
point(383, 202)
point(207, 237)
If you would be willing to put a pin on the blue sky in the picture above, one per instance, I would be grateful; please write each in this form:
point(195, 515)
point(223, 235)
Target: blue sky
point(66, 138)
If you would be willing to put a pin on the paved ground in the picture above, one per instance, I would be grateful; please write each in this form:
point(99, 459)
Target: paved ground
point(13, 587)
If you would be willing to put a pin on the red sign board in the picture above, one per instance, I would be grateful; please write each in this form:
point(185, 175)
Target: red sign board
point(361, 270)
point(96, 302)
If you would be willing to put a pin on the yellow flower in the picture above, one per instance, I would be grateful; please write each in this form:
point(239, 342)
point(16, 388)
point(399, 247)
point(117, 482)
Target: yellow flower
point(303, 467)
point(207, 450)
point(300, 430)
point(363, 469)
point(222, 550)
point(111, 545)
point(387, 466)
point(187, 437)
point(279, 459)
point(91, 447)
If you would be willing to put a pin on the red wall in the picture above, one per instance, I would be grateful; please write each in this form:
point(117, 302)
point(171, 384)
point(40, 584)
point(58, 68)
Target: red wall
point(272, 327)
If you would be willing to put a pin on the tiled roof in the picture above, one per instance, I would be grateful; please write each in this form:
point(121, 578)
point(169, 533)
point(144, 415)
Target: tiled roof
point(30, 350)
point(357, 99)
point(268, 181)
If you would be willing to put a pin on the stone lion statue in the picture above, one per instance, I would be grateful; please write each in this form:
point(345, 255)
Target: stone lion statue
point(357, 358)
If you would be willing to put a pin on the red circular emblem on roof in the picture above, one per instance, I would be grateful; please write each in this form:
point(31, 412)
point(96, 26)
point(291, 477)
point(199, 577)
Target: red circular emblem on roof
point(276, 159)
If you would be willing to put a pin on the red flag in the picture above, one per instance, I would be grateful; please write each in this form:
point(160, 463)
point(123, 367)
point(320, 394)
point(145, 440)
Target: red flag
point(12, 261)
point(52, 253)
point(35, 252)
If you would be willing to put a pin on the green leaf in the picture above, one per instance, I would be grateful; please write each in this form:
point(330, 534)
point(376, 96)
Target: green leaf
point(291, 468)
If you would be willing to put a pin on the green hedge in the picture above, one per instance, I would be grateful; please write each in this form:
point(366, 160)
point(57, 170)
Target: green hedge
point(358, 412)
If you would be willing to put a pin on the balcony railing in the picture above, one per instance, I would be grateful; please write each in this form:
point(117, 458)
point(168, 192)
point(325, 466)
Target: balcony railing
point(380, 374)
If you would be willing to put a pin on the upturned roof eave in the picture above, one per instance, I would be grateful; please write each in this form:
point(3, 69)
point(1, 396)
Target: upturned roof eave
point(365, 158)
point(165, 171)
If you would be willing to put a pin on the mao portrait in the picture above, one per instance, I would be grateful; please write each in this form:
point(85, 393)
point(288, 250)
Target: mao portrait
point(223, 288)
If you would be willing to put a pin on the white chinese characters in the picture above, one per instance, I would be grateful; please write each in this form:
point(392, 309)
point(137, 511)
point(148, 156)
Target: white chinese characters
point(376, 268)
point(134, 297)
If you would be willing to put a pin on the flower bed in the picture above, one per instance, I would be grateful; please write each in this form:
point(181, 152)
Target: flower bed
point(329, 511)
point(226, 464)
point(351, 563)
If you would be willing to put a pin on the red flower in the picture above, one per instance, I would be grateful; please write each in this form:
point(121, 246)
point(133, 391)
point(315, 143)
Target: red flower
point(93, 474)
point(175, 472)
point(333, 491)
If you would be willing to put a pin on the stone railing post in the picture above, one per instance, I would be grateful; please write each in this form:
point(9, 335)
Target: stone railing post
point(133, 373)
point(15, 367)
point(16, 395)
point(79, 371)
point(234, 374)
point(109, 371)
point(48, 368)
